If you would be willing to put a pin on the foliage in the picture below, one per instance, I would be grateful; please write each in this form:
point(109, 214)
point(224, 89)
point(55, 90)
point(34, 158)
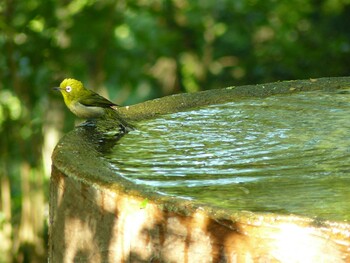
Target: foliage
point(138, 50)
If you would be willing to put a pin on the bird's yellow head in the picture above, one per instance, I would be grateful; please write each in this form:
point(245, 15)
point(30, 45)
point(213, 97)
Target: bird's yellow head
point(71, 90)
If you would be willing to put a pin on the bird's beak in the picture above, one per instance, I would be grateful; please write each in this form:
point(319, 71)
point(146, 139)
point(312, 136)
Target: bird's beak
point(56, 88)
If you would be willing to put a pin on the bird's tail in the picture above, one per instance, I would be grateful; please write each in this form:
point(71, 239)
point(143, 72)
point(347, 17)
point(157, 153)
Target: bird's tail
point(113, 114)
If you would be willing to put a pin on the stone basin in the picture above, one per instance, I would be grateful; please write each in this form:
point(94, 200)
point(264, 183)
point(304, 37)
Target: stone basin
point(97, 216)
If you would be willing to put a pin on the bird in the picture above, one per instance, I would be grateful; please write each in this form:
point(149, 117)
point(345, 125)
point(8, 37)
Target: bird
point(87, 104)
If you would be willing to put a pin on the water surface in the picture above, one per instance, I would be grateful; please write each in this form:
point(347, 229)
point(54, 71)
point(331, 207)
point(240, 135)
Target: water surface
point(285, 154)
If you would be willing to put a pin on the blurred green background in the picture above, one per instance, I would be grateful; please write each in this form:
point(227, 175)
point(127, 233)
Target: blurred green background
point(131, 51)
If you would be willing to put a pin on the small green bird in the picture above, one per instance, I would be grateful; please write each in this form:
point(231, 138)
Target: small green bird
point(85, 103)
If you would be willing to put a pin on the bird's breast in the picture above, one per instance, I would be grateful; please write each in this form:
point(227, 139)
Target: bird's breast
point(86, 112)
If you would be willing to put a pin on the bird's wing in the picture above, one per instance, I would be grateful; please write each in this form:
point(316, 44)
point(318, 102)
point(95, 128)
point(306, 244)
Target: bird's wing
point(95, 100)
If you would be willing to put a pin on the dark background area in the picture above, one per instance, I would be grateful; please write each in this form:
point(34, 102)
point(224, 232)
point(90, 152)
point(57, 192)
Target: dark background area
point(132, 51)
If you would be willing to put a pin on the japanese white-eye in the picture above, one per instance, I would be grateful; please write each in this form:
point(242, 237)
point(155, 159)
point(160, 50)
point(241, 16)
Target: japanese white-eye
point(85, 103)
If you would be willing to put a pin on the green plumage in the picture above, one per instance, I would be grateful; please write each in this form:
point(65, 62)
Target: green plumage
point(87, 104)
point(95, 100)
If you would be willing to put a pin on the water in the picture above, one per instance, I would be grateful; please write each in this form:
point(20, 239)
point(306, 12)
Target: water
point(287, 154)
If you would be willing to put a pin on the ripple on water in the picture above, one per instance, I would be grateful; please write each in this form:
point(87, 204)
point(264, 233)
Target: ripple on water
point(286, 153)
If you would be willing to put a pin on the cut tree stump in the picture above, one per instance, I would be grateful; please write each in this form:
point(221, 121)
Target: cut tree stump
point(96, 216)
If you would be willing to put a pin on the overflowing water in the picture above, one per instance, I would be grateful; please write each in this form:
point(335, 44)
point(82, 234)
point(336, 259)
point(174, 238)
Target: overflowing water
point(285, 154)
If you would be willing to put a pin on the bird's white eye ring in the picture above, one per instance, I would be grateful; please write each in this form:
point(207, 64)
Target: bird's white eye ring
point(68, 88)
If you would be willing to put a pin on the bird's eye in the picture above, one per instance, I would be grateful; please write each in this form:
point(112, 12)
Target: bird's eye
point(68, 88)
